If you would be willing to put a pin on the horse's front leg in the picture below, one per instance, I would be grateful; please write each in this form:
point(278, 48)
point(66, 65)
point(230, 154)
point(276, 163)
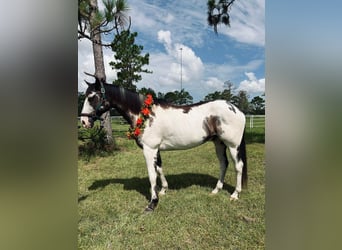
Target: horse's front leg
point(158, 165)
point(150, 157)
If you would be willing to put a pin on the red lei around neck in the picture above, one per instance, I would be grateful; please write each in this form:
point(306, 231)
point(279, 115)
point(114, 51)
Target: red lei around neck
point(133, 133)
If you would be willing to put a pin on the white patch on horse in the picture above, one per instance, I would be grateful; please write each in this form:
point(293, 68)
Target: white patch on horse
point(173, 129)
point(87, 109)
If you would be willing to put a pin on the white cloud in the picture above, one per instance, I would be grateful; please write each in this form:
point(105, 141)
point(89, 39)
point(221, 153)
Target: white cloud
point(164, 36)
point(183, 24)
point(86, 63)
point(166, 66)
point(183, 17)
point(252, 85)
point(214, 84)
point(180, 17)
point(247, 22)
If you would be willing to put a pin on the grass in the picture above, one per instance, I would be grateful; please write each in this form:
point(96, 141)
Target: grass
point(114, 190)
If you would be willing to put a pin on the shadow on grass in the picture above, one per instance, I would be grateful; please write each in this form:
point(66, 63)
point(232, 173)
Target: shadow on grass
point(176, 182)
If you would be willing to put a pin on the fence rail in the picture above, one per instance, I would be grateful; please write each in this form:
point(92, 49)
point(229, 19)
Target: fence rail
point(255, 121)
point(252, 121)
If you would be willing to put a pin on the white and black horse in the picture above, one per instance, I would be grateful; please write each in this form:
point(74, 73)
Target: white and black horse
point(171, 127)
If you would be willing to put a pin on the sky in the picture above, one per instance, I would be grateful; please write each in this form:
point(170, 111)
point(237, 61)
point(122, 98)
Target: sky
point(178, 39)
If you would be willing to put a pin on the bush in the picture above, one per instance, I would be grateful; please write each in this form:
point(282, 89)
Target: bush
point(93, 142)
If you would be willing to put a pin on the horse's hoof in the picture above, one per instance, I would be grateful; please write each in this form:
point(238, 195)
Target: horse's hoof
point(215, 191)
point(234, 197)
point(153, 204)
point(162, 191)
point(149, 210)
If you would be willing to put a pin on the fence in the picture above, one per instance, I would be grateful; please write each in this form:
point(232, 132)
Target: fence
point(255, 121)
point(252, 121)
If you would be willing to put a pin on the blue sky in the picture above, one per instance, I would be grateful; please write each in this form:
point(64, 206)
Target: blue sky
point(236, 54)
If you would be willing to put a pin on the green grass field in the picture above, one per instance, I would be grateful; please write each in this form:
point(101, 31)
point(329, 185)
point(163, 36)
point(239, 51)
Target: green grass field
point(113, 191)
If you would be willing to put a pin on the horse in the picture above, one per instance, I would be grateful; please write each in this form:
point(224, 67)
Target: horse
point(172, 127)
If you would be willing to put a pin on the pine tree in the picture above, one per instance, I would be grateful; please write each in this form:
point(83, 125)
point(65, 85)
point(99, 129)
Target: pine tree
point(128, 60)
point(92, 23)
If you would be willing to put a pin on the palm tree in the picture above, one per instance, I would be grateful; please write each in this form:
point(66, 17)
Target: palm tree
point(218, 12)
point(92, 23)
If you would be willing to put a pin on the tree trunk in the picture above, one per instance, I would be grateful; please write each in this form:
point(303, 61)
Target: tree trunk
point(99, 66)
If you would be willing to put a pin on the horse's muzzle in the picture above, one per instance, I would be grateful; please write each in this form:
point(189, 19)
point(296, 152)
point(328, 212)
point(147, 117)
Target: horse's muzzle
point(87, 122)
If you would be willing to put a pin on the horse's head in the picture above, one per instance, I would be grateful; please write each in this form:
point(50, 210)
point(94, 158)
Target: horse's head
point(94, 105)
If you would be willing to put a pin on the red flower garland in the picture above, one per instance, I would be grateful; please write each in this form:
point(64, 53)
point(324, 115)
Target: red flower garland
point(145, 112)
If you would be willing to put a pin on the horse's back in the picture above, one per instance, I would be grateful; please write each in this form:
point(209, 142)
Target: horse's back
point(231, 121)
point(180, 128)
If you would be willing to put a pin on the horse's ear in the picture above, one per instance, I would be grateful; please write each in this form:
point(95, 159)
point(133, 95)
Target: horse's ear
point(88, 83)
point(97, 83)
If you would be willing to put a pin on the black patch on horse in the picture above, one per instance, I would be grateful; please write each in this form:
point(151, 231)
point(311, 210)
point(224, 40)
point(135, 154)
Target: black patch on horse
point(212, 126)
point(231, 107)
point(158, 160)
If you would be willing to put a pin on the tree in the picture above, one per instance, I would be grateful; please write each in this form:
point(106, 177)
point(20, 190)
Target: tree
point(218, 12)
point(226, 94)
point(213, 96)
point(128, 60)
point(241, 101)
point(161, 95)
point(179, 97)
point(258, 105)
point(92, 23)
point(145, 91)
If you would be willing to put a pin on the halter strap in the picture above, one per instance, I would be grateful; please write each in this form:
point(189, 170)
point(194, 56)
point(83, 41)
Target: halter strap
point(102, 100)
point(103, 96)
point(94, 117)
point(103, 91)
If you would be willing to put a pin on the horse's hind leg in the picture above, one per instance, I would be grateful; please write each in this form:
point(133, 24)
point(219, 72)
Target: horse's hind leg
point(238, 167)
point(220, 148)
point(158, 165)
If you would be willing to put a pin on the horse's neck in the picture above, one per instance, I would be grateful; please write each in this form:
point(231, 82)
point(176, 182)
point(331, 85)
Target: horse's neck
point(126, 102)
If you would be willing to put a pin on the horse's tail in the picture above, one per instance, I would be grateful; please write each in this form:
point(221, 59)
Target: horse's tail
point(243, 156)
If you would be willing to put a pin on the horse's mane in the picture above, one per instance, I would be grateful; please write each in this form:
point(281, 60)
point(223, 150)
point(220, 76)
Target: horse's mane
point(133, 101)
point(125, 98)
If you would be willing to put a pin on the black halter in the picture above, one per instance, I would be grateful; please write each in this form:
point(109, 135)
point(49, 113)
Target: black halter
point(100, 108)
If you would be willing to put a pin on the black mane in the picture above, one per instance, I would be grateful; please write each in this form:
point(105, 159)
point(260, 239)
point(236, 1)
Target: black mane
point(125, 99)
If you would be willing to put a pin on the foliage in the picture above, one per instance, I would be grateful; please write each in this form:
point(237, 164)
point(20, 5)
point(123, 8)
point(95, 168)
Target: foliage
point(218, 13)
point(241, 101)
point(258, 105)
point(128, 60)
point(92, 21)
point(145, 91)
point(179, 97)
point(93, 142)
point(213, 96)
point(226, 94)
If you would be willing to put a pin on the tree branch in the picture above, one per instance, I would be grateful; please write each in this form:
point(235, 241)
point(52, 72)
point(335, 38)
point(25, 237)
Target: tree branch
point(89, 74)
point(81, 34)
